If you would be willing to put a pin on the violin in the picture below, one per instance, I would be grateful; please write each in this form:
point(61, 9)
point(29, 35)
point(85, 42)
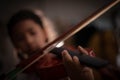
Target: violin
point(93, 62)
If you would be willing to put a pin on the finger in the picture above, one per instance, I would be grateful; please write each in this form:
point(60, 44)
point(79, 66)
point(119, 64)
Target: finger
point(76, 60)
point(66, 56)
point(82, 50)
point(77, 64)
point(81, 68)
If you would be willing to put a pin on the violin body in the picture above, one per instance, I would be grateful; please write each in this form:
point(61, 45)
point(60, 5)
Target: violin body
point(50, 67)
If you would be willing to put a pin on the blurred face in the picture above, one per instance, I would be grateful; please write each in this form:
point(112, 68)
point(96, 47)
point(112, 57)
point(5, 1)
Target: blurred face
point(28, 36)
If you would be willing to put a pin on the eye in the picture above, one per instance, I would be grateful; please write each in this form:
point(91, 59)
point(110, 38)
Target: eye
point(33, 32)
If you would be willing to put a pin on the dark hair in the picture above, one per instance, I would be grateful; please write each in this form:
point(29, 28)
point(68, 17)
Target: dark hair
point(22, 15)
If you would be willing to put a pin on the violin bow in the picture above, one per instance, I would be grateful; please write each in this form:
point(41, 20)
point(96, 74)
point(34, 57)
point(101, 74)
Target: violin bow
point(11, 75)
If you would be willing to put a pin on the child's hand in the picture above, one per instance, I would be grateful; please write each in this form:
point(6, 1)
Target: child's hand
point(75, 70)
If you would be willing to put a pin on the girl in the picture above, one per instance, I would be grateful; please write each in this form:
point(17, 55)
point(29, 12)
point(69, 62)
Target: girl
point(28, 33)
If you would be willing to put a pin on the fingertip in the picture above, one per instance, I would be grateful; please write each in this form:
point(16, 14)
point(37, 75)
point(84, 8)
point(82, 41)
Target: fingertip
point(79, 46)
point(75, 59)
point(66, 56)
point(82, 50)
point(64, 52)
